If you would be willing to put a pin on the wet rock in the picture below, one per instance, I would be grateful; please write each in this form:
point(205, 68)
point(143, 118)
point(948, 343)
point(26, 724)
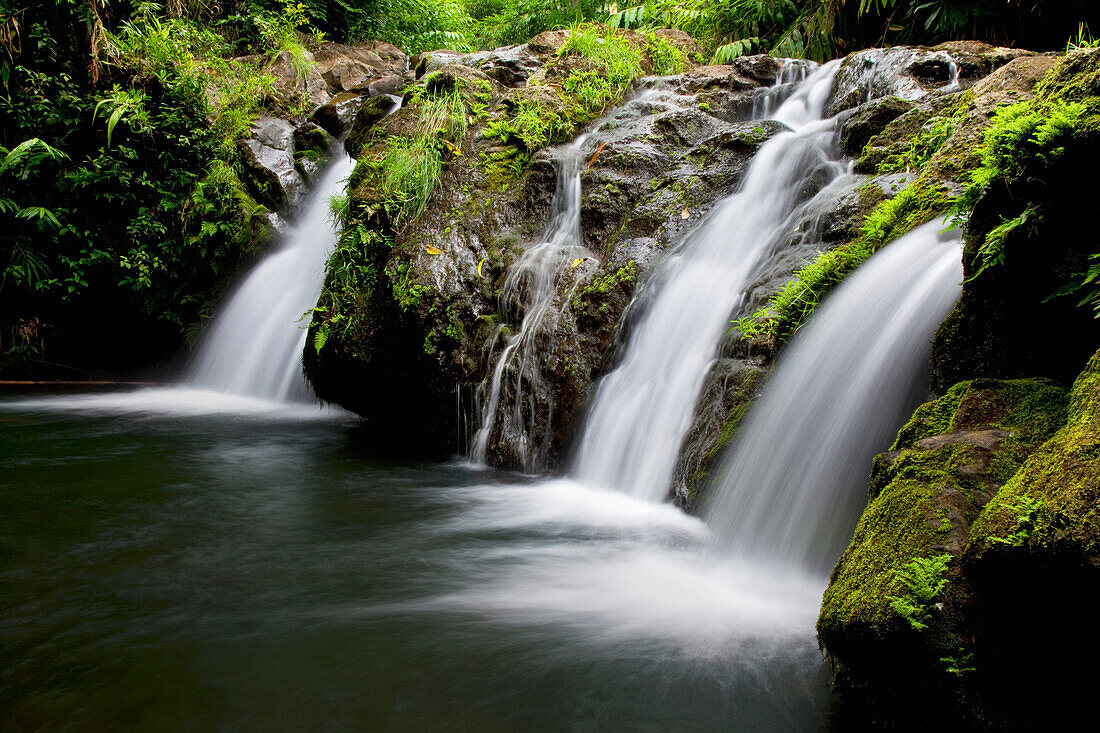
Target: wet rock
point(730, 388)
point(269, 159)
point(762, 68)
point(336, 116)
point(868, 120)
point(311, 147)
point(912, 73)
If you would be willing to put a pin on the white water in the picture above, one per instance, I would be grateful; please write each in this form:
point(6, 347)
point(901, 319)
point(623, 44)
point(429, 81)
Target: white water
point(530, 292)
point(789, 490)
point(254, 347)
point(643, 408)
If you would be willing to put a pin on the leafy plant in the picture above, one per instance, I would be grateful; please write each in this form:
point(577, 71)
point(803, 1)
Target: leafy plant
point(1083, 39)
point(922, 579)
point(119, 104)
point(1027, 510)
point(25, 266)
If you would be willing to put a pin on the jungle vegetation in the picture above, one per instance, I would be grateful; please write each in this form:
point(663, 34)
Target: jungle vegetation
point(121, 201)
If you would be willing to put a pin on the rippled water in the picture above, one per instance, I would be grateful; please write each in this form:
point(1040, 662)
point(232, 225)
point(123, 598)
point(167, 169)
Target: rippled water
point(259, 569)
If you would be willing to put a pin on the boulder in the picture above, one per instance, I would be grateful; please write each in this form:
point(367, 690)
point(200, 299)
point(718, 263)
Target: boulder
point(891, 643)
point(369, 112)
point(293, 83)
point(268, 155)
point(336, 116)
point(912, 73)
point(353, 68)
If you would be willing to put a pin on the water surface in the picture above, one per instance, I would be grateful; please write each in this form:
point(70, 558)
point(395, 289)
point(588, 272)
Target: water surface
point(169, 565)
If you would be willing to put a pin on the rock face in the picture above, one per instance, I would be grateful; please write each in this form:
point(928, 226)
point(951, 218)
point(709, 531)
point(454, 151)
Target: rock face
point(895, 637)
point(657, 164)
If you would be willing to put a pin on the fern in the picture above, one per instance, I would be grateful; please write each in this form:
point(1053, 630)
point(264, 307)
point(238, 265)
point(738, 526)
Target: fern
point(727, 52)
point(923, 580)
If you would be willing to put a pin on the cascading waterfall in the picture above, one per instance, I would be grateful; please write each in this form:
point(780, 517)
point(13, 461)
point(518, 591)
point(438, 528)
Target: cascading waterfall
point(643, 408)
point(531, 289)
point(789, 490)
point(254, 346)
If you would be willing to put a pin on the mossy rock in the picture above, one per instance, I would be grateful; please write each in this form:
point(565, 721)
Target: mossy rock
point(371, 111)
point(946, 463)
point(1052, 505)
point(727, 395)
point(869, 120)
point(1033, 573)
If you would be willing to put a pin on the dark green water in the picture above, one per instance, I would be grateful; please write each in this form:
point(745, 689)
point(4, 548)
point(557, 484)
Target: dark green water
point(174, 570)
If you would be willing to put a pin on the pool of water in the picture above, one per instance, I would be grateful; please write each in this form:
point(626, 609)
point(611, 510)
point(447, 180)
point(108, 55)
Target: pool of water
point(172, 560)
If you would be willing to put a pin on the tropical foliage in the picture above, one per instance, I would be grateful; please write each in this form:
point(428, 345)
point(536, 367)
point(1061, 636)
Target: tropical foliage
point(120, 184)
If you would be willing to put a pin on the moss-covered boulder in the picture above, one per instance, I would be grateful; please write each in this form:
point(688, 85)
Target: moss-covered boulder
point(894, 616)
point(1033, 569)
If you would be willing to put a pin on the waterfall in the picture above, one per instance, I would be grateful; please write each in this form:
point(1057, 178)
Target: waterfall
point(254, 346)
point(790, 488)
point(530, 292)
point(643, 408)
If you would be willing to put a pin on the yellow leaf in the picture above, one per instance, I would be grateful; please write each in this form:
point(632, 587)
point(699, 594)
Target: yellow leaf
point(432, 250)
point(452, 147)
point(578, 261)
point(685, 213)
point(479, 267)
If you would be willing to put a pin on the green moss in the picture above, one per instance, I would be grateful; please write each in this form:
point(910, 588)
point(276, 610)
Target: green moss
point(922, 146)
point(1076, 79)
point(893, 531)
point(925, 495)
point(407, 290)
point(594, 68)
point(1034, 408)
point(591, 299)
point(1056, 494)
point(796, 301)
point(1028, 139)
